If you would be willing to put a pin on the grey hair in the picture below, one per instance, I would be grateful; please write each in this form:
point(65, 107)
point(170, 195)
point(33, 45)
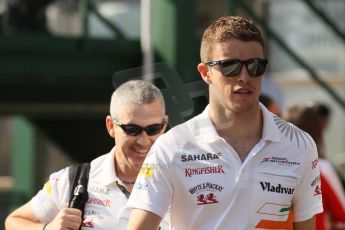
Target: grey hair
point(134, 91)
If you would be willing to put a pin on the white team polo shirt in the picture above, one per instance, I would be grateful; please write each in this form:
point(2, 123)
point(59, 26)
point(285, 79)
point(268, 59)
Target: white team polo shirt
point(200, 175)
point(106, 206)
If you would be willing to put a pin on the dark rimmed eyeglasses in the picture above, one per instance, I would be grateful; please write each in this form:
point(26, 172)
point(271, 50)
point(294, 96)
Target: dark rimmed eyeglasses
point(134, 130)
point(232, 67)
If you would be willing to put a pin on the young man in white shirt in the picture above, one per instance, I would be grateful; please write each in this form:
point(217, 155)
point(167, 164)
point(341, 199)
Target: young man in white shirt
point(236, 165)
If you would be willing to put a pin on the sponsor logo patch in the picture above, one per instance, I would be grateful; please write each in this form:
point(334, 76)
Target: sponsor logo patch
point(275, 209)
point(279, 160)
point(99, 190)
point(314, 163)
point(208, 199)
point(89, 214)
point(189, 172)
point(206, 193)
point(317, 190)
point(267, 186)
point(88, 223)
point(141, 185)
point(96, 201)
point(276, 216)
point(146, 171)
point(200, 157)
point(208, 186)
point(48, 188)
point(315, 181)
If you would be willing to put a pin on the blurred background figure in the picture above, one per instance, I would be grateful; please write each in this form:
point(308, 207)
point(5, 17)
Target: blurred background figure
point(324, 112)
point(310, 117)
point(270, 104)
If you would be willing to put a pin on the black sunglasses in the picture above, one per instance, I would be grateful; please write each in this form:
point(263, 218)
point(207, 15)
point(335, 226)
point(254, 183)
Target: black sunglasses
point(134, 130)
point(232, 67)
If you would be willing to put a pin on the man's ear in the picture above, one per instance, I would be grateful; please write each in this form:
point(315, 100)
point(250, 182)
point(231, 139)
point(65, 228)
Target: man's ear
point(110, 126)
point(205, 73)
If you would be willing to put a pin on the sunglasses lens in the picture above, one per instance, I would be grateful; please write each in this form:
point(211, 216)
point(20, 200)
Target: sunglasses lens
point(257, 67)
point(154, 129)
point(231, 68)
point(132, 130)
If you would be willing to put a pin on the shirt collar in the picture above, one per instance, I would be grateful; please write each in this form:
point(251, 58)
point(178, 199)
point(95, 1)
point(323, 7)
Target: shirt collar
point(270, 130)
point(107, 167)
point(203, 128)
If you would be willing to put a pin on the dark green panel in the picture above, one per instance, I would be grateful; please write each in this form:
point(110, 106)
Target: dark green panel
point(174, 35)
point(37, 68)
point(23, 156)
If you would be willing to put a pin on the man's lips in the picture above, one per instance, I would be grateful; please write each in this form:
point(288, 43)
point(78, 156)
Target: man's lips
point(243, 92)
point(141, 150)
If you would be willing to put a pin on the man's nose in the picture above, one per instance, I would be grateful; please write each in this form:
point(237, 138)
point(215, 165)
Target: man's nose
point(244, 75)
point(143, 139)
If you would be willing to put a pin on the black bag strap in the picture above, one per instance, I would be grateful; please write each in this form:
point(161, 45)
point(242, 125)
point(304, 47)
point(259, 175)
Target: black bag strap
point(78, 179)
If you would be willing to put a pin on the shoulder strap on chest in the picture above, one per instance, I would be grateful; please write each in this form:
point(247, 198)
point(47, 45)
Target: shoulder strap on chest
point(78, 177)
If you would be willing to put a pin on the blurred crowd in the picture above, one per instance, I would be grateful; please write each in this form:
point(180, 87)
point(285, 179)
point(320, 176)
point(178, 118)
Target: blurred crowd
point(314, 118)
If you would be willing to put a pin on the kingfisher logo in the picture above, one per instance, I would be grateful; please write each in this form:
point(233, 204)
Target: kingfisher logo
point(279, 160)
point(102, 202)
point(200, 157)
point(207, 170)
point(267, 186)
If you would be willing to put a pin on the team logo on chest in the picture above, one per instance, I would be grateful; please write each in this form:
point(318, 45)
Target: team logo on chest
point(280, 161)
point(267, 186)
point(99, 190)
point(317, 190)
point(206, 193)
point(200, 157)
point(189, 172)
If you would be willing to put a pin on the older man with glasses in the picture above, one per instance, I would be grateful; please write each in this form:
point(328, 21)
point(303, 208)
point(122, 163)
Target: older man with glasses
point(137, 118)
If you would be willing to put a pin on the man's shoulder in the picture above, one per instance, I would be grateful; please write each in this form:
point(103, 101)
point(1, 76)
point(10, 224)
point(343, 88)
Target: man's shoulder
point(98, 164)
point(290, 134)
point(178, 134)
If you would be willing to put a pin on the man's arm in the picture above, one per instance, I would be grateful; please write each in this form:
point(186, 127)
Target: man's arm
point(142, 219)
point(24, 218)
point(307, 224)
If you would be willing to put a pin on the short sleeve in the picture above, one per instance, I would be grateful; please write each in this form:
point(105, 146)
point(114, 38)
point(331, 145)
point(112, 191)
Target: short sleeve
point(308, 198)
point(153, 190)
point(52, 197)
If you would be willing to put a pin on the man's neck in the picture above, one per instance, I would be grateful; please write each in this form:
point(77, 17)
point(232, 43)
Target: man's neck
point(241, 131)
point(124, 170)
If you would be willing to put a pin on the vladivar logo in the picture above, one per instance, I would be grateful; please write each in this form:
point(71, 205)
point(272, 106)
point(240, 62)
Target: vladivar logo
point(267, 186)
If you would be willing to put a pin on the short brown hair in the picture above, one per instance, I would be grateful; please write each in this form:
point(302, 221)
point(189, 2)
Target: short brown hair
point(227, 28)
point(305, 117)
